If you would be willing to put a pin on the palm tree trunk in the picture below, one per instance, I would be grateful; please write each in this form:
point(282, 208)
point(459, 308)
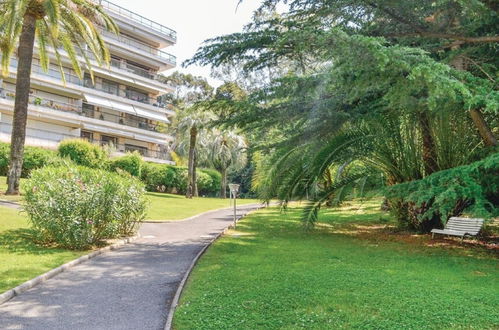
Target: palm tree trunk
point(223, 187)
point(18, 138)
point(483, 129)
point(191, 168)
point(429, 149)
point(195, 176)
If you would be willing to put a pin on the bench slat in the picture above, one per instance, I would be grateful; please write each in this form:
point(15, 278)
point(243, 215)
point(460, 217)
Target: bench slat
point(457, 226)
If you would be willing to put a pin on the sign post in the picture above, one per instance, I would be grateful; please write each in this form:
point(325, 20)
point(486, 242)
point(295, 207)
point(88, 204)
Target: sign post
point(234, 188)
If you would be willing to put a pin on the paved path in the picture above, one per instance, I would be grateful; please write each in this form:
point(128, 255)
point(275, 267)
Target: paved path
point(12, 205)
point(129, 288)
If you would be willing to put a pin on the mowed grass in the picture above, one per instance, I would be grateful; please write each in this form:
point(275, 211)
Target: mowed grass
point(270, 274)
point(162, 206)
point(176, 207)
point(20, 258)
point(3, 188)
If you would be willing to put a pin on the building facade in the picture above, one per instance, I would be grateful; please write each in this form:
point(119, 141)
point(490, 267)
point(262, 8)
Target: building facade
point(120, 108)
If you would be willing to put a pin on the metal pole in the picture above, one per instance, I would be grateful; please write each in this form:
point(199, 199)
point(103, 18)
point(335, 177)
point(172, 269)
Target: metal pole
point(235, 219)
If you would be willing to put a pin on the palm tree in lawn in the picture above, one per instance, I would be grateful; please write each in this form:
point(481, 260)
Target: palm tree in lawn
point(190, 124)
point(227, 151)
point(60, 27)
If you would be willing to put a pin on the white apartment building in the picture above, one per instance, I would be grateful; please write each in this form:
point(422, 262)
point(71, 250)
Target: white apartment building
point(121, 109)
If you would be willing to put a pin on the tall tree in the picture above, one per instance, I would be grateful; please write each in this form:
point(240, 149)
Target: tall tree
point(227, 150)
point(63, 24)
point(189, 125)
point(189, 91)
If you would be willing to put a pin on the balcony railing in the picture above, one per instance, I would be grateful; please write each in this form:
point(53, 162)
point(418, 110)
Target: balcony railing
point(79, 110)
point(140, 19)
point(127, 121)
point(74, 79)
point(131, 148)
point(44, 102)
point(140, 45)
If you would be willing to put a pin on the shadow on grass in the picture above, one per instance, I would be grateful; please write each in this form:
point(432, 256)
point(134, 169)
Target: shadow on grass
point(24, 241)
point(166, 196)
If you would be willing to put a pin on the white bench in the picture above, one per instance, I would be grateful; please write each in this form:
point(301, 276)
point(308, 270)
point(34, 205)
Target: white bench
point(460, 227)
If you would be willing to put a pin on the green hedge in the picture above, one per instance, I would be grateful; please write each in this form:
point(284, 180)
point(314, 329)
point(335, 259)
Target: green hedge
point(173, 179)
point(33, 159)
point(428, 203)
point(83, 153)
point(131, 163)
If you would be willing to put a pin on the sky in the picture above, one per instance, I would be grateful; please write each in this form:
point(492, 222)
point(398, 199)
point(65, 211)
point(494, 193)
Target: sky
point(194, 21)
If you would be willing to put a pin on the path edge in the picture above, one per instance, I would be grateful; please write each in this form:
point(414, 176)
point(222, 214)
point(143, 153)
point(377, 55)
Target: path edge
point(180, 288)
point(201, 214)
point(23, 287)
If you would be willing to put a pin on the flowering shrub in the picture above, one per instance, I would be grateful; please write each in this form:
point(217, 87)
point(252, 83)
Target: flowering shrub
point(76, 207)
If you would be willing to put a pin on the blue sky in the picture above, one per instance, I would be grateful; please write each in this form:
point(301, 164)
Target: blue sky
point(194, 21)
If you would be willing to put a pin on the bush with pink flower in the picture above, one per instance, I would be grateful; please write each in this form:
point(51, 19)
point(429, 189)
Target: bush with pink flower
point(78, 207)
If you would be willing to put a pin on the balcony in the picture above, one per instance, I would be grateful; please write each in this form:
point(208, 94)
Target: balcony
point(131, 148)
point(74, 79)
point(139, 19)
point(164, 56)
point(72, 107)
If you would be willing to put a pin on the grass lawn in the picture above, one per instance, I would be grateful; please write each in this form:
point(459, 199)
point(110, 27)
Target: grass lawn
point(351, 271)
point(20, 258)
point(163, 206)
point(3, 188)
point(176, 207)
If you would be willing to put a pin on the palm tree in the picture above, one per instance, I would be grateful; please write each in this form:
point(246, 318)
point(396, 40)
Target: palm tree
point(227, 150)
point(190, 124)
point(61, 25)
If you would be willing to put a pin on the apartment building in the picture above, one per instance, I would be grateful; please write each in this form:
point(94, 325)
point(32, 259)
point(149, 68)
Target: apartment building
point(120, 108)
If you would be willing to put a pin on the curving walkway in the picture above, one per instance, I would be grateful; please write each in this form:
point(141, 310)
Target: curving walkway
point(129, 288)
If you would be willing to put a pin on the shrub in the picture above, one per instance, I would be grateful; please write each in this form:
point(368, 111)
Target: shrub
point(158, 177)
point(4, 158)
point(131, 163)
point(83, 153)
point(213, 187)
point(34, 158)
point(76, 207)
point(429, 202)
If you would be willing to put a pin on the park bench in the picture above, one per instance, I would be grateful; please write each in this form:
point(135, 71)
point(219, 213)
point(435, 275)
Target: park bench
point(460, 227)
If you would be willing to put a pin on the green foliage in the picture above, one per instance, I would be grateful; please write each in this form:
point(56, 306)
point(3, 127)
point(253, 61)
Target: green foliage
point(162, 177)
point(210, 187)
point(76, 207)
point(33, 158)
point(473, 189)
point(83, 153)
point(131, 163)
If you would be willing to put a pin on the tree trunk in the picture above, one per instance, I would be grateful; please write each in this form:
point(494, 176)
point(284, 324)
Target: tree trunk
point(485, 132)
point(191, 168)
point(195, 175)
point(476, 115)
point(18, 137)
point(429, 150)
point(223, 188)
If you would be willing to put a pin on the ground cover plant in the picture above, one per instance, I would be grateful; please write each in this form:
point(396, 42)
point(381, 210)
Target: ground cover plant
point(347, 272)
point(20, 258)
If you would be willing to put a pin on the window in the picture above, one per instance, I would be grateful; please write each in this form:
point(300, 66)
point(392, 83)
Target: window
point(89, 136)
point(132, 148)
point(137, 95)
point(88, 110)
point(108, 140)
point(110, 87)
